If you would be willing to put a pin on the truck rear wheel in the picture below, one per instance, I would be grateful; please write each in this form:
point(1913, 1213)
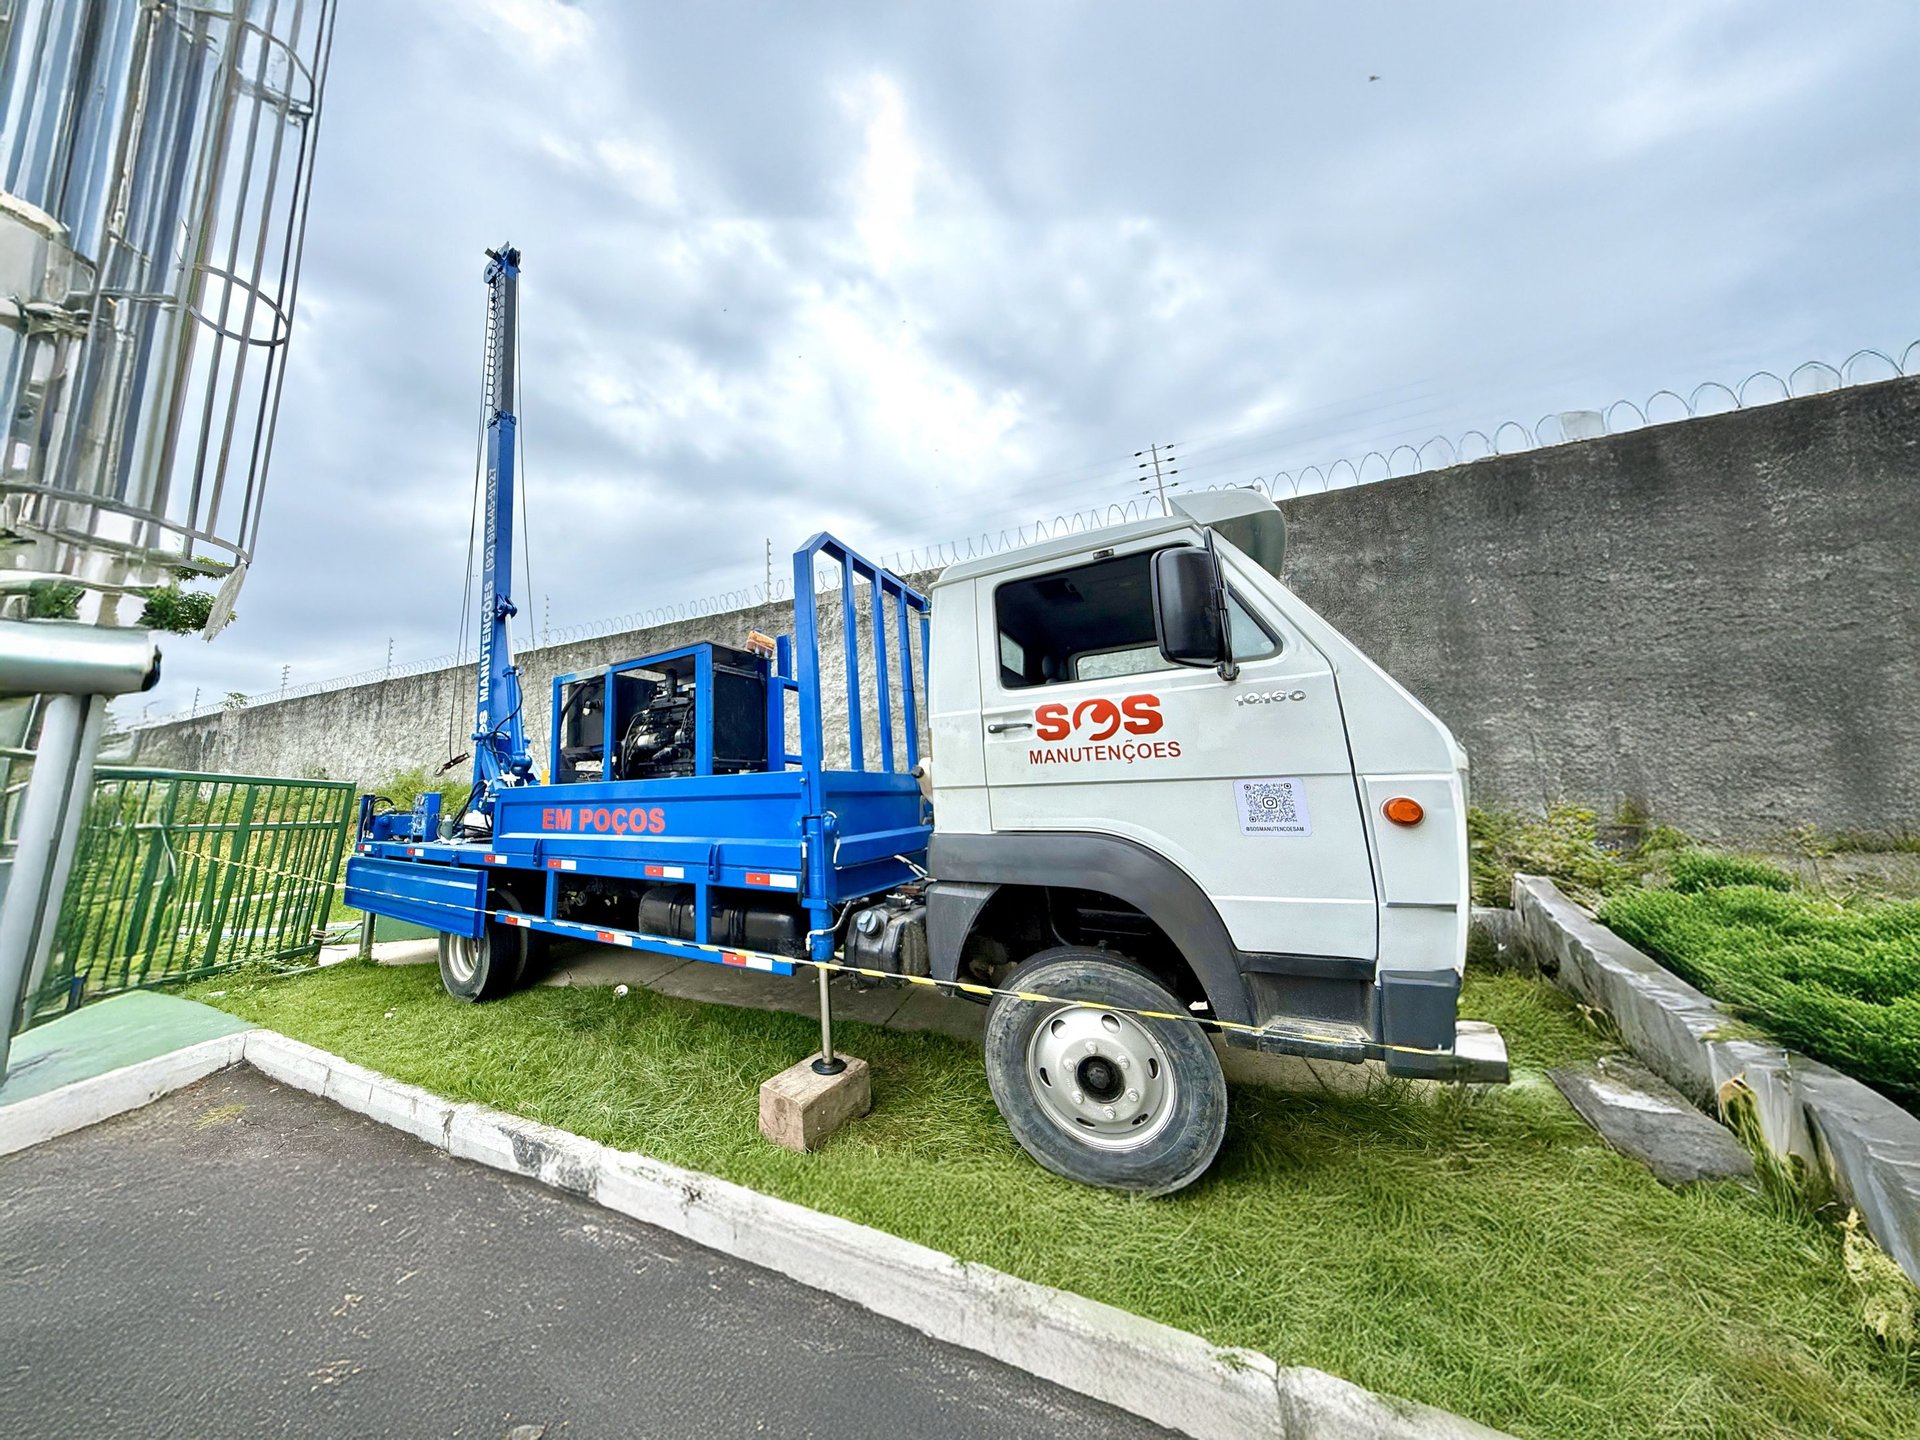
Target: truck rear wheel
point(1099, 1094)
point(483, 969)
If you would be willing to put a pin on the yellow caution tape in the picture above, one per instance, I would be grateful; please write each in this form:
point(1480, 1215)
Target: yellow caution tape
point(965, 987)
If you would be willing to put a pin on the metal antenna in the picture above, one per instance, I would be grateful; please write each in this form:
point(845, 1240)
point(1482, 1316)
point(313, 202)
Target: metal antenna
point(1161, 479)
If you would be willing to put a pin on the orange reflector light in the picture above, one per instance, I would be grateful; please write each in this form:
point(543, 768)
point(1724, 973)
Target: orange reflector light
point(1403, 810)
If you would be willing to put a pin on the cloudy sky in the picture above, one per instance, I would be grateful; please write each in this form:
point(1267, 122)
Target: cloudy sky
point(911, 272)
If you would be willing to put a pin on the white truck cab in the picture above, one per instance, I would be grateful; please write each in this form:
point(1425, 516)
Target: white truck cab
point(1154, 765)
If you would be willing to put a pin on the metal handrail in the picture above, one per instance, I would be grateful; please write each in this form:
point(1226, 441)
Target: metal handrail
point(883, 584)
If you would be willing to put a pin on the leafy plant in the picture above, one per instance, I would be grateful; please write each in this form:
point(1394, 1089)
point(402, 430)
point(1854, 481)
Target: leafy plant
point(235, 700)
point(1563, 845)
point(403, 787)
point(177, 611)
point(1695, 870)
point(54, 600)
point(1889, 1303)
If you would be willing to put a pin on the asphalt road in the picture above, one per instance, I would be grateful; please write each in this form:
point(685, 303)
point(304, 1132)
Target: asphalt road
point(243, 1260)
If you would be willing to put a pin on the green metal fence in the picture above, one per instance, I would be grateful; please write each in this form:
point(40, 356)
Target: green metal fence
point(179, 874)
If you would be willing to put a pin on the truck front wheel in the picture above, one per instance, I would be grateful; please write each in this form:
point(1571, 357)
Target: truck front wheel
point(1097, 1092)
point(483, 969)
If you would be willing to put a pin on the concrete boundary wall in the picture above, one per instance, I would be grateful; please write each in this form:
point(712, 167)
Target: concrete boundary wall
point(1716, 621)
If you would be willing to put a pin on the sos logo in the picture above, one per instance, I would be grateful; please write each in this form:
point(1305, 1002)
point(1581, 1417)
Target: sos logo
point(1099, 718)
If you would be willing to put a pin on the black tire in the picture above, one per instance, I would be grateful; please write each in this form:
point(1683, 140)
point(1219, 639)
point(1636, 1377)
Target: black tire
point(533, 956)
point(1074, 1096)
point(483, 969)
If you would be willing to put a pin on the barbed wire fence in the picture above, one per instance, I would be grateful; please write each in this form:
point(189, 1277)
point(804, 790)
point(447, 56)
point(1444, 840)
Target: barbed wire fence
point(1762, 387)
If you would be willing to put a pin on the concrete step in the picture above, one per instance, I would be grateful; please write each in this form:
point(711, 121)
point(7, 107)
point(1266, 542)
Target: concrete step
point(1640, 1115)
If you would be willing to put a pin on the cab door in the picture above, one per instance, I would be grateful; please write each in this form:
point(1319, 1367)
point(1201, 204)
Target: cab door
point(1247, 785)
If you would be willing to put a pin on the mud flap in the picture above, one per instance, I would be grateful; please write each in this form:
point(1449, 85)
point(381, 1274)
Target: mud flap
point(441, 897)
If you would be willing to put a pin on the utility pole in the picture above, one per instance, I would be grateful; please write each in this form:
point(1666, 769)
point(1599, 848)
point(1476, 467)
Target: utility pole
point(285, 670)
point(769, 591)
point(387, 674)
point(1157, 455)
point(196, 702)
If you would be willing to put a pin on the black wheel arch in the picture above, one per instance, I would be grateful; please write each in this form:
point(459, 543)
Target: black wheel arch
point(973, 869)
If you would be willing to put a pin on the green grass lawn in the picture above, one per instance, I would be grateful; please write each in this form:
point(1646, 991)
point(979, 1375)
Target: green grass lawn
point(1482, 1253)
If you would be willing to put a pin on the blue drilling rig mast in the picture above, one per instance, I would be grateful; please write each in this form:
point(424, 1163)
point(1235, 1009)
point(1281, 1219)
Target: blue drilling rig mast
point(500, 755)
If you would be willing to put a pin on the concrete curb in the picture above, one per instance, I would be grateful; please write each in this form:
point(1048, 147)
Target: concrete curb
point(1168, 1376)
point(101, 1097)
point(1867, 1146)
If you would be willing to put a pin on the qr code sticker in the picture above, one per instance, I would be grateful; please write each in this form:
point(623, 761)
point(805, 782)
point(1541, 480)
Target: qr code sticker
point(1273, 807)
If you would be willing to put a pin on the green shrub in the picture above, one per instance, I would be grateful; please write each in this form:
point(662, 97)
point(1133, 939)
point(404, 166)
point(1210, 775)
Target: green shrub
point(177, 611)
point(1697, 870)
point(54, 600)
point(405, 786)
point(1562, 846)
point(1841, 984)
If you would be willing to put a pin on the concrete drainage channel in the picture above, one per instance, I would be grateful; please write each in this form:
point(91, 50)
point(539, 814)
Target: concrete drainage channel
point(1167, 1376)
point(1865, 1146)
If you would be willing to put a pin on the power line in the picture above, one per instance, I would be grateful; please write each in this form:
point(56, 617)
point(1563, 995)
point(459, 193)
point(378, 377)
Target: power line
point(1160, 477)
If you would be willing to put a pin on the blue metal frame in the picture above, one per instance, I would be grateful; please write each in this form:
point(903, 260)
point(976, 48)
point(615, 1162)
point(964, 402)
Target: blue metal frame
point(886, 588)
point(701, 653)
point(823, 834)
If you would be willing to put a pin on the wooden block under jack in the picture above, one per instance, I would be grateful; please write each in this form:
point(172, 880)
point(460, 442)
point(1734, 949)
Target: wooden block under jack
point(799, 1109)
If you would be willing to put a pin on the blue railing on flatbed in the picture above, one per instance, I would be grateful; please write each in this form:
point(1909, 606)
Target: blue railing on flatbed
point(889, 591)
point(818, 831)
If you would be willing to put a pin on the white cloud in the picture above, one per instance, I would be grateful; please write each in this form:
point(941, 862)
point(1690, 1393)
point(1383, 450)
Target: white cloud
point(1681, 81)
point(886, 181)
point(544, 31)
point(645, 172)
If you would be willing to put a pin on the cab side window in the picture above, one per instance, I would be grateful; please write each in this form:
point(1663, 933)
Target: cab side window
point(1049, 622)
point(1095, 622)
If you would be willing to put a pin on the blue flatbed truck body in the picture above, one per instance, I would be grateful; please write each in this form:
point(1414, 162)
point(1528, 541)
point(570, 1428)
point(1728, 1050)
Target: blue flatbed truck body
point(801, 829)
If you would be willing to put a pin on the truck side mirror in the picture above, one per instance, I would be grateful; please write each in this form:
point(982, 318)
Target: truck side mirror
point(1188, 618)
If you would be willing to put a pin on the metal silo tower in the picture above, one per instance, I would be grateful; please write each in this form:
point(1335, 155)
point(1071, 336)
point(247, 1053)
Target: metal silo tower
point(155, 163)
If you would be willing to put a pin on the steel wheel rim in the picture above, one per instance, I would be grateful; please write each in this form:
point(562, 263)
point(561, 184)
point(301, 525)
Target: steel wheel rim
point(1101, 1076)
point(463, 959)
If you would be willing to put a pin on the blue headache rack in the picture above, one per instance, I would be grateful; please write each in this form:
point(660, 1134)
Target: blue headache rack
point(673, 817)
